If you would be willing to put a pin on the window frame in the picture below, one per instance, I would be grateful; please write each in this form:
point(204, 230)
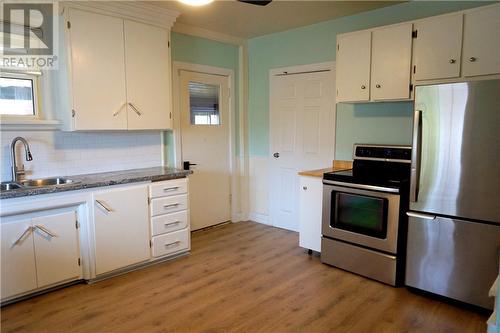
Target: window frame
point(35, 78)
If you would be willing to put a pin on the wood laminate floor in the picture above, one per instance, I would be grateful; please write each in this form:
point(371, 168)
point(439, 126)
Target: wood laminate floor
point(243, 277)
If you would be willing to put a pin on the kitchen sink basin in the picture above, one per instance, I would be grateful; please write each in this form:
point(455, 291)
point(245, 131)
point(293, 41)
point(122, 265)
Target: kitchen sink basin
point(46, 182)
point(9, 186)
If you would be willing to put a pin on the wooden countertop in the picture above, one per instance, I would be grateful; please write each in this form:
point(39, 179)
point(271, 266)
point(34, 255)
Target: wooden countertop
point(336, 166)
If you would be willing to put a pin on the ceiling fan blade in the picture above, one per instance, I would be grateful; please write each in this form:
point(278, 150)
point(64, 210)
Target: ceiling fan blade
point(257, 2)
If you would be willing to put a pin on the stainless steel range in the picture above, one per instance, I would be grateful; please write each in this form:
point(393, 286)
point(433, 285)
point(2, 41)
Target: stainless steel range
point(364, 222)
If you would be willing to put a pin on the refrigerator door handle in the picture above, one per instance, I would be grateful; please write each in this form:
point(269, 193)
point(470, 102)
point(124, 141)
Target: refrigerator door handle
point(421, 216)
point(415, 155)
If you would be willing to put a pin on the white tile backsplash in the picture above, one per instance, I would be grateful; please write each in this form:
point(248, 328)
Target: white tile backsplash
point(57, 153)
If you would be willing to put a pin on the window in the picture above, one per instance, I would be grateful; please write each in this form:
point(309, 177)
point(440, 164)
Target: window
point(17, 95)
point(204, 104)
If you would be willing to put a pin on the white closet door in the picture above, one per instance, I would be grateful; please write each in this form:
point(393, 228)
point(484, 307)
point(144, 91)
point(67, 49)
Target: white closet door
point(482, 42)
point(18, 269)
point(98, 69)
point(148, 76)
point(353, 66)
point(56, 248)
point(391, 62)
point(438, 47)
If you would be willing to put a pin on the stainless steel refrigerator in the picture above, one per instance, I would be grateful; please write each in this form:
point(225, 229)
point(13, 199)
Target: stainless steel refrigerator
point(454, 218)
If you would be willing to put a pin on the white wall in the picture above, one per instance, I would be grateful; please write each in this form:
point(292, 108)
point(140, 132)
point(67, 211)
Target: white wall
point(57, 153)
point(259, 189)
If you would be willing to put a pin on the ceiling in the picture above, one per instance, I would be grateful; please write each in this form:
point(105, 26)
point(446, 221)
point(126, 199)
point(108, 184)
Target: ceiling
point(246, 21)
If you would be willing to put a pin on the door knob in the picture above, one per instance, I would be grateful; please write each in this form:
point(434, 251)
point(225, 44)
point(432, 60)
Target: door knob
point(377, 86)
point(276, 155)
point(187, 165)
point(452, 61)
point(472, 59)
point(363, 87)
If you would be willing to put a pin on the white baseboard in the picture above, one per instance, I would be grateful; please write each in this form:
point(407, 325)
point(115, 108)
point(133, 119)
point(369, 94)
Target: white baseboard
point(259, 217)
point(238, 217)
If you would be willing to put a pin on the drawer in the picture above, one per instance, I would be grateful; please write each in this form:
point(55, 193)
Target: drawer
point(168, 188)
point(170, 243)
point(167, 205)
point(169, 222)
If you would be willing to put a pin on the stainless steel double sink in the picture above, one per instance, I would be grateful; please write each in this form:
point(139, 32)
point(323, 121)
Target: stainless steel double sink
point(36, 183)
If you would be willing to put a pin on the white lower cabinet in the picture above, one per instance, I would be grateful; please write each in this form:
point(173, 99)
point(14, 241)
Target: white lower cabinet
point(121, 222)
point(310, 212)
point(39, 251)
point(170, 243)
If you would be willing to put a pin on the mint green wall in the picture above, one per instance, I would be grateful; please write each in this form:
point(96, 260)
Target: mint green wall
point(377, 123)
point(203, 51)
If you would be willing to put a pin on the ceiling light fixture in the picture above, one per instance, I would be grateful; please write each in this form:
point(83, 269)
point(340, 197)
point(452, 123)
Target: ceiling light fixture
point(196, 2)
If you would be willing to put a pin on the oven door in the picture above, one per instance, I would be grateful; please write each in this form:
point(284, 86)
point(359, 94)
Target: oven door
point(361, 216)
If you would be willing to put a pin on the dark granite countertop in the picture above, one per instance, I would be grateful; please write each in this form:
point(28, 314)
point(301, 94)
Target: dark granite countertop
point(102, 179)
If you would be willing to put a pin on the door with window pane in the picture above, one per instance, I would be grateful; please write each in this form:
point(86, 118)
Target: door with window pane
point(204, 109)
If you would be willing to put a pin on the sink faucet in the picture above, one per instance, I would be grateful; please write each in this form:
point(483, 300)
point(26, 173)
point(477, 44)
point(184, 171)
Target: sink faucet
point(18, 172)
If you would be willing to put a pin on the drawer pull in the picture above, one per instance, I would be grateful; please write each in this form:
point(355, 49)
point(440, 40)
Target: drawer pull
point(171, 224)
point(45, 230)
point(170, 206)
point(173, 244)
point(27, 231)
point(168, 189)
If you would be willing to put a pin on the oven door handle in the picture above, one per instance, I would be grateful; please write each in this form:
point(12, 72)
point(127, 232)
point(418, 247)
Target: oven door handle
point(362, 186)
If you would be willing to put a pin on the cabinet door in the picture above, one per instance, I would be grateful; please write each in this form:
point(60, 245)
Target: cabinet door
point(482, 42)
point(438, 47)
point(391, 62)
point(121, 228)
point(18, 270)
point(147, 60)
point(98, 71)
point(353, 66)
point(56, 248)
point(310, 212)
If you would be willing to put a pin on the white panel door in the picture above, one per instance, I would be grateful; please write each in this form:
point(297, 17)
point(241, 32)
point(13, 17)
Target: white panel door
point(302, 132)
point(204, 108)
point(391, 62)
point(18, 269)
point(121, 220)
point(353, 66)
point(98, 71)
point(147, 60)
point(482, 42)
point(56, 248)
point(438, 47)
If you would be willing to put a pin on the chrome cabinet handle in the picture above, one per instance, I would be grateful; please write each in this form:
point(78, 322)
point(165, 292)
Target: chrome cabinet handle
point(119, 110)
point(363, 87)
point(304, 188)
point(415, 155)
point(173, 244)
point(276, 155)
point(45, 230)
point(472, 59)
point(135, 109)
point(27, 231)
point(452, 61)
point(170, 206)
point(167, 189)
point(171, 224)
point(378, 86)
point(103, 205)
point(421, 216)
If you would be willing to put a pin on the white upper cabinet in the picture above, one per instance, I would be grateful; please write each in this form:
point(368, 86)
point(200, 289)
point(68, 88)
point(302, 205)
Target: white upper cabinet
point(353, 66)
point(482, 41)
point(98, 67)
point(148, 76)
point(391, 63)
point(438, 47)
point(114, 72)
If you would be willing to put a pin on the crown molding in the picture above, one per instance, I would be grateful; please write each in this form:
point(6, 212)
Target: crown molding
point(131, 10)
point(208, 34)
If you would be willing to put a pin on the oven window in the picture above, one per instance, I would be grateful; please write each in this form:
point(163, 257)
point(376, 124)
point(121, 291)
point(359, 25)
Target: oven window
point(361, 214)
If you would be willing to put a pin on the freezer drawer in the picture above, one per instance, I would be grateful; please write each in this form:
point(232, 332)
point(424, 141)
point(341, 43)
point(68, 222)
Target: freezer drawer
point(453, 258)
